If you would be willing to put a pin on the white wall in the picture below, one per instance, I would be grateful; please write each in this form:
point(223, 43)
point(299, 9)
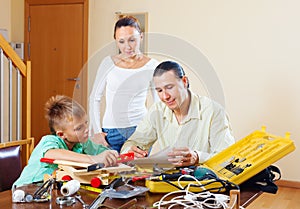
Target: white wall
point(17, 20)
point(5, 23)
point(5, 12)
point(252, 45)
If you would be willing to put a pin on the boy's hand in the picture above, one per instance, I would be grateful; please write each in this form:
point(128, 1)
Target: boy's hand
point(108, 157)
point(99, 138)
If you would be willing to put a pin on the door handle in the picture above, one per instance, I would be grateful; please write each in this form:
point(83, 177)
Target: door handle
point(73, 79)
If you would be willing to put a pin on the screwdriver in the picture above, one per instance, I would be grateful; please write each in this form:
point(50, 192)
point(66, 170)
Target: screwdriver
point(174, 176)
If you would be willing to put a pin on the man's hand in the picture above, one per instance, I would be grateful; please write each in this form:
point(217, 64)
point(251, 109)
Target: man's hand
point(138, 152)
point(183, 156)
point(108, 157)
point(99, 138)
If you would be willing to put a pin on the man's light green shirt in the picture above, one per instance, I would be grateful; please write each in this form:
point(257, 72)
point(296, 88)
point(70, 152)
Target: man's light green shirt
point(205, 129)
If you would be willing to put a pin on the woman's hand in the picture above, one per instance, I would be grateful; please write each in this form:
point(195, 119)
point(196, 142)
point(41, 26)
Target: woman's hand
point(99, 138)
point(183, 156)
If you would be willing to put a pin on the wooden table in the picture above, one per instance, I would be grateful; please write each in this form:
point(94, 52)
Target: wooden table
point(146, 201)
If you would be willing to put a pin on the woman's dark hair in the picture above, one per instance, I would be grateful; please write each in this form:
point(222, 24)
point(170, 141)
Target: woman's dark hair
point(127, 21)
point(169, 66)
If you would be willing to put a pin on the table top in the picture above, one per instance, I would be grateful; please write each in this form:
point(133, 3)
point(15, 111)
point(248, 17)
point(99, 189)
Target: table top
point(247, 195)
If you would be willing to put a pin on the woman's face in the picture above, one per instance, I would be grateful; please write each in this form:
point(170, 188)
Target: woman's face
point(128, 40)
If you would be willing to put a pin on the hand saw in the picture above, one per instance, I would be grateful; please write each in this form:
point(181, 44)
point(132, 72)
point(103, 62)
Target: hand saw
point(121, 159)
point(90, 167)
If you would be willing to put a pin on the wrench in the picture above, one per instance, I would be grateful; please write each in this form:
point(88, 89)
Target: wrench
point(97, 202)
point(78, 197)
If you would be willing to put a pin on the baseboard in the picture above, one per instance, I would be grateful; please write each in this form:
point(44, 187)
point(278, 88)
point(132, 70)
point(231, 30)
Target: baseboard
point(286, 183)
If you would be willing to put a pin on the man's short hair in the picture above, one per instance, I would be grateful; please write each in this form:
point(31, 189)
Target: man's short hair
point(169, 66)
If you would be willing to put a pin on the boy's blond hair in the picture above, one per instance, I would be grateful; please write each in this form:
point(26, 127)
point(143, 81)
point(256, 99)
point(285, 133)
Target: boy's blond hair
point(60, 110)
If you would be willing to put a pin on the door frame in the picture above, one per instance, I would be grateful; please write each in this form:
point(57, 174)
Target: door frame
point(83, 75)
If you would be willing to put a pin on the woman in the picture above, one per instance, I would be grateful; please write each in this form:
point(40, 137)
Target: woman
point(125, 78)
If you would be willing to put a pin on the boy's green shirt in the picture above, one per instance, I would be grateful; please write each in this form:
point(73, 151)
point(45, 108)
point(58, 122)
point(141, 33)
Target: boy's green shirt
point(35, 170)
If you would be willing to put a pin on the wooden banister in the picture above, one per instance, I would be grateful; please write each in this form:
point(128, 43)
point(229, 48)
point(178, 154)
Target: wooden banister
point(28, 100)
point(9, 52)
point(25, 71)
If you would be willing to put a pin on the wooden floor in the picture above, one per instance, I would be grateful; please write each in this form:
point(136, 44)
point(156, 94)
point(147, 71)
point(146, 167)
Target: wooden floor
point(285, 198)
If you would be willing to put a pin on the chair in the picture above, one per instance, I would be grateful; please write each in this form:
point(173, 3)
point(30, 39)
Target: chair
point(13, 157)
point(235, 201)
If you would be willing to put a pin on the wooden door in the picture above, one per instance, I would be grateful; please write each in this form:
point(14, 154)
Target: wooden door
point(56, 44)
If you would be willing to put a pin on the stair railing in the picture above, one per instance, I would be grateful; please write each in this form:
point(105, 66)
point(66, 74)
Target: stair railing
point(15, 94)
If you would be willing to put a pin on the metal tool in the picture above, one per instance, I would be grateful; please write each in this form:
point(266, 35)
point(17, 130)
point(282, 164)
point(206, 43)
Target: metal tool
point(43, 193)
point(97, 202)
point(101, 197)
point(78, 197)
point(95, 166)
point(239, 169)
point(122, 192)
point(226, 163)
point(121, 159)
point(68, 201)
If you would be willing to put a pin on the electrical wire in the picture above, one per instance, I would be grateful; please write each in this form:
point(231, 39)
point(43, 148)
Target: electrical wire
point(204, 199)
point(226, 185)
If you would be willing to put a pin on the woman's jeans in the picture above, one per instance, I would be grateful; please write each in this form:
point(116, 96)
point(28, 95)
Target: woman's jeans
point(117, 136)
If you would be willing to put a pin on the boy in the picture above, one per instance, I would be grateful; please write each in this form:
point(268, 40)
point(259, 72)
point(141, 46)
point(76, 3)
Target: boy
point(69, 141)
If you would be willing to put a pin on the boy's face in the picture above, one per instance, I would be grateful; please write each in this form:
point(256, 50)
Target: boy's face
point(75, 131)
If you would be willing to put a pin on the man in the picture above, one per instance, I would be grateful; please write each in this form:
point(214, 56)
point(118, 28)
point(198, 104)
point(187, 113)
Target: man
point(195, 126)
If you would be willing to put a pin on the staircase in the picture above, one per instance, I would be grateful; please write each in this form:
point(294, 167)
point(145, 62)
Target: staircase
point(15, 95)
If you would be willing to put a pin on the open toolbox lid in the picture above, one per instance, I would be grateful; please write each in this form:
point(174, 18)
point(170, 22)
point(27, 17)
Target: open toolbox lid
point(240, 161)
point(250, 155)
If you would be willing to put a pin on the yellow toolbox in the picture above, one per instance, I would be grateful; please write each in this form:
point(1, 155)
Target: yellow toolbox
point(237, 163)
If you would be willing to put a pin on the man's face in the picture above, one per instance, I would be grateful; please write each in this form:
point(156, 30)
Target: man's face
point(171, 89)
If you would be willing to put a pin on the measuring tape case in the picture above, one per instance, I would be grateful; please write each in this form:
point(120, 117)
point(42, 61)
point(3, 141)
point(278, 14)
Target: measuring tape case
point(237, 163)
